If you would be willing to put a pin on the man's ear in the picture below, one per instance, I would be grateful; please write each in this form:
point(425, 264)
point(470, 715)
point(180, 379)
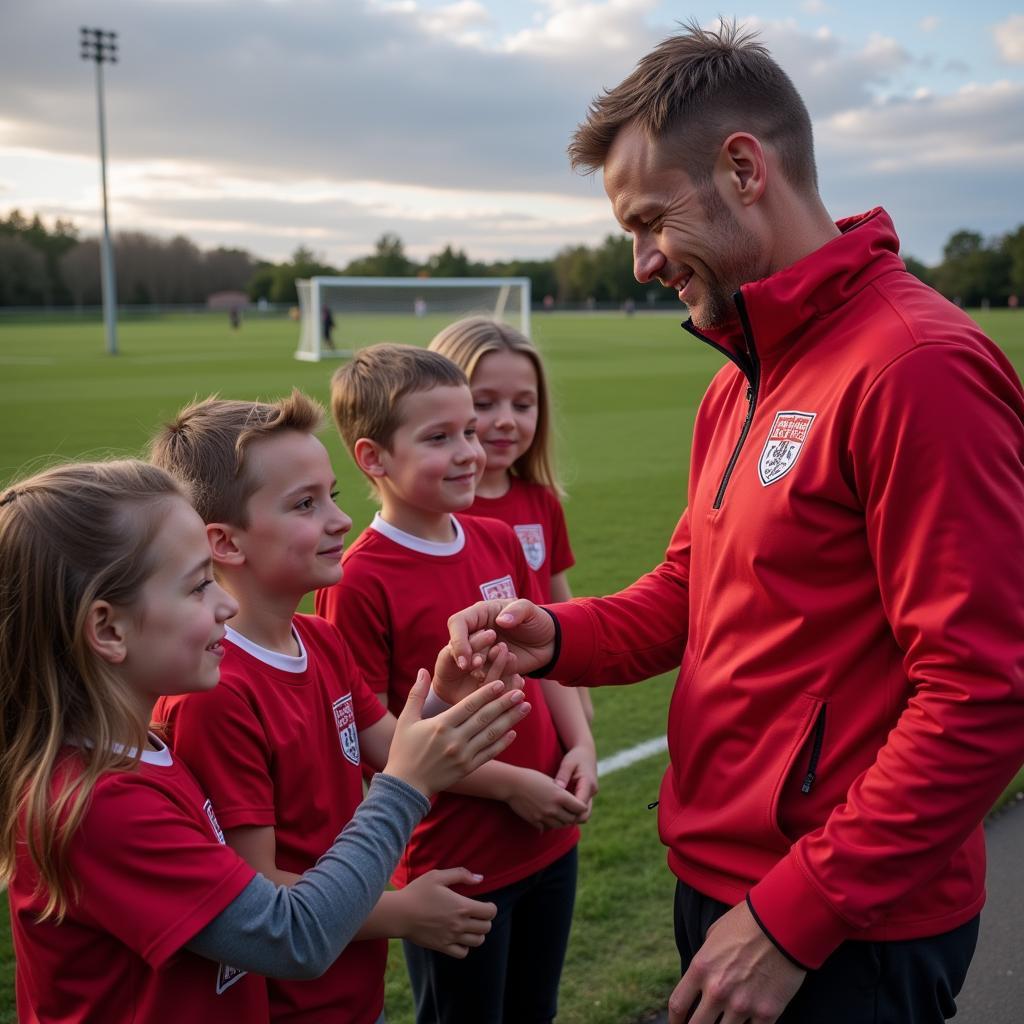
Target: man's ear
point(106, 631)
point(742, 168)
point(369, 457)
point(223, 546)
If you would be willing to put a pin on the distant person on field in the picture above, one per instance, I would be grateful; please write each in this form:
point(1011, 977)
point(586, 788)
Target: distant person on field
point(279, 744)
point(407, 418)
point(327, 323)
point(843, 591)
point(235, 318)
point(126, 905)
point(519, 485)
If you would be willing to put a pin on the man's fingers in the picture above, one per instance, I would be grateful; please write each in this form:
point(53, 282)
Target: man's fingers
point(683, 1001)
point(514, 613)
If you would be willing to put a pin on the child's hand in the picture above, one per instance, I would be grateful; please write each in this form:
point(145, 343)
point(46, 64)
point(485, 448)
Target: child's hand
point(440, 919)
point(490, 661)
point(529, 631)
point(543, 803)
point(435, 753)
point(578, 774)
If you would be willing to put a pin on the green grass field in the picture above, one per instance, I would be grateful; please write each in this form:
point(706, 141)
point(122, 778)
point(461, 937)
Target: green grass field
point(626, 392)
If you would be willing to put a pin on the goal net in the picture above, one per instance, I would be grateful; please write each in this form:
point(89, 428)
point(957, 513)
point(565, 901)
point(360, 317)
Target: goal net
point(340, 314)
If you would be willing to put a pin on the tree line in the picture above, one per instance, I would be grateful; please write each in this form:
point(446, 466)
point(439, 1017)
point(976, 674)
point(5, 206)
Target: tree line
point(54, 266)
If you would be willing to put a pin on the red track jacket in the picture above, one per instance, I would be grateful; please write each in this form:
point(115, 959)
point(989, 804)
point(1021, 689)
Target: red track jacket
point(846, 593)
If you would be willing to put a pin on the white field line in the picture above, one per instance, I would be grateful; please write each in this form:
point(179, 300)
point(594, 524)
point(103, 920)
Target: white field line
point(624, 758)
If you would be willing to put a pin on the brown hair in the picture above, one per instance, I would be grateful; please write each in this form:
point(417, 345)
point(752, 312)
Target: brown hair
point(69, 536)
point(465, 343)
point(205, 446)
point(366, 392)
point(694, 90)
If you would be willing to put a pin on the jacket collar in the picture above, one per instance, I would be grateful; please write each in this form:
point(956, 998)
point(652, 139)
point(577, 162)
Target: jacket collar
point(779, 305)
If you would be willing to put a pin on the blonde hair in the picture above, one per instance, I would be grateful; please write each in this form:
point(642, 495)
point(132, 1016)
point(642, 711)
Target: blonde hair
point(465, 343)
point(692, 91)
point(205, 447)
point(69, 536)
point(366, 393)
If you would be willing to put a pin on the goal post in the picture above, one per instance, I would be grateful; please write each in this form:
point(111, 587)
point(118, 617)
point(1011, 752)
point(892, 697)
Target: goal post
point(340, 314)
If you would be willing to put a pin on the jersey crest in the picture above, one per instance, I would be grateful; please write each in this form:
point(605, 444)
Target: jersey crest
point(785, 442)
point(532, 539)
point(498, 590)
point(227, 976)
point(214, 823)
point(348, 735)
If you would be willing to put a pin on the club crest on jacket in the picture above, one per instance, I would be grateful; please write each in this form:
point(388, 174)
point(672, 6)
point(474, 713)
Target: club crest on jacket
point(345, 720)
point(785, 442)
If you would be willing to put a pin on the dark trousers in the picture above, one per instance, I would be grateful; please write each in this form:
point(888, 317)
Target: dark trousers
point(908, 982)
point(513, 977)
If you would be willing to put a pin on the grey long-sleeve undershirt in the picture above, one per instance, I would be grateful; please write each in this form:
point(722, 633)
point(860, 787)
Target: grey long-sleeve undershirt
point(298, 931)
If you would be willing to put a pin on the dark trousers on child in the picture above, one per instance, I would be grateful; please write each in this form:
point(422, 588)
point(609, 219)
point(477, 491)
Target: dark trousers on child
point(908, 982)
point(513, 977)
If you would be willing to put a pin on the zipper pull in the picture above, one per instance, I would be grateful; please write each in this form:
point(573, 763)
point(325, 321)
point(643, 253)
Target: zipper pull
point(808, 782)
point(750, 394)
point(651, 807)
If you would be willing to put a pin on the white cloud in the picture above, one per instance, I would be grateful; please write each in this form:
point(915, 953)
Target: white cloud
point(815, 7)
point(578, 28)
point(1009, 37)
point(930, 23)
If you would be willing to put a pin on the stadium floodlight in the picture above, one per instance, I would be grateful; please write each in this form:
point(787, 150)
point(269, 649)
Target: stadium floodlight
point(370, 309)
point(101, 48)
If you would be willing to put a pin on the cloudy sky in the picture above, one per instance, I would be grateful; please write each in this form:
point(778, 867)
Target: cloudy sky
point(267, 124)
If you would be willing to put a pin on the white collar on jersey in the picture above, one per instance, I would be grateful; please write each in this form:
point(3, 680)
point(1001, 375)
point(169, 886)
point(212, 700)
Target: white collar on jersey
point(425, 547)
point(160, 755)
point(284, 662)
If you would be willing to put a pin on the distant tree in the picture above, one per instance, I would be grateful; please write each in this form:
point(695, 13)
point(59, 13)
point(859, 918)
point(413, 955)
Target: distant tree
point(80, 270)
point(388, 260)
point(1013, 250)
point(261, 282)
point(972, 271)
point(449, 262)
point(23, 277)
point(227, 270)
point(304, 263)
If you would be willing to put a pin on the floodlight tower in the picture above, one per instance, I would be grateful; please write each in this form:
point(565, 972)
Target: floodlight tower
point(101, 47)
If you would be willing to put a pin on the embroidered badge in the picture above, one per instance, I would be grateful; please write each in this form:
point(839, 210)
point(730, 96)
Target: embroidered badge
point(217, 831)
point(348, 735)
point(785, 441)
point(227, 976)
point(498, 590)
point(532, 539)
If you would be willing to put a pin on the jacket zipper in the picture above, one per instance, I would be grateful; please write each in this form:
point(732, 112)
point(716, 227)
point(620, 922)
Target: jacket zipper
point(812, 765)
point(750, 365)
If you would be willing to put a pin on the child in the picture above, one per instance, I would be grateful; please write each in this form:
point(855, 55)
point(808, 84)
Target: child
point(125, 904)
point(406, 416)
point(278, 745)
point(513, 422)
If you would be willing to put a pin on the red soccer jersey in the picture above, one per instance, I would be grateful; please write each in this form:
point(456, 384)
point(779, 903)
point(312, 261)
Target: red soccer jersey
point(277, 744)
point(536, 515)
point(152, 872)
point(393, 605)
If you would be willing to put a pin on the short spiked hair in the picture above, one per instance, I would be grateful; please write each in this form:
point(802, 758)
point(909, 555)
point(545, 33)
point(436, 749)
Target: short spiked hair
point(691, 92)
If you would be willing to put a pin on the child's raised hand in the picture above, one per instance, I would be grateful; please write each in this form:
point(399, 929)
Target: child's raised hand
point(578, 774)
point(543, 803)
point(490, 661)
point(440, 919)
point(433, 754)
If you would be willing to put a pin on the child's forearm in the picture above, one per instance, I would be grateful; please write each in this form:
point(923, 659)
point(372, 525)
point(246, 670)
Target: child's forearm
point(492, 781)
point(387, 920)
point(567, 714)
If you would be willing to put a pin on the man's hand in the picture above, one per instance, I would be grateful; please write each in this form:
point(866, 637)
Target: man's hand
point(488, 662)
point(528, 631)
point(737, 976)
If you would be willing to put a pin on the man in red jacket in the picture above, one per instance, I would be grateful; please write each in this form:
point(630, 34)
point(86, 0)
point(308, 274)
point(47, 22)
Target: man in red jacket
point(843, 590)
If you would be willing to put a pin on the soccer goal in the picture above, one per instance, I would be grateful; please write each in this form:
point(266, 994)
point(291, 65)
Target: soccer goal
point(340, 314)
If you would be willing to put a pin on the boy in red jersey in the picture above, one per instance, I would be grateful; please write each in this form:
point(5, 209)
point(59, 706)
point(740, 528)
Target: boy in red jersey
point(278, 744)
point(407, 417)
